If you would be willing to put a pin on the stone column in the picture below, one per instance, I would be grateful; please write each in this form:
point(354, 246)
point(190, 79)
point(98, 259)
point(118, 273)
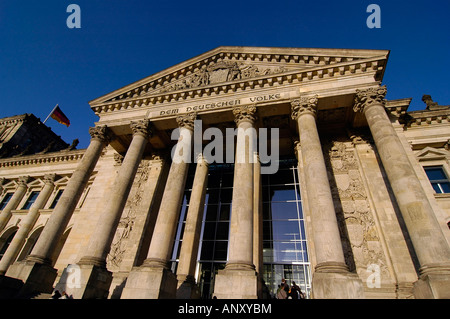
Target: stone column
point(154, 280)
point(238, 279)
point(191, 236)
point(21, 189)
point(37, 271)
point(93, 263)
point(258, 222)
point(430, 245)
point(27, 224)
point(331, 278)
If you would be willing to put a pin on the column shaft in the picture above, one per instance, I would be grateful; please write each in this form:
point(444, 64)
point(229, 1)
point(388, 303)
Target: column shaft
point(165, 227)
point(57, 223)
point(327, 240)
point(27, 224)
point(191, 236)
point(21, 189)
point(429, 243)
point(100, 242)
point(240, 252)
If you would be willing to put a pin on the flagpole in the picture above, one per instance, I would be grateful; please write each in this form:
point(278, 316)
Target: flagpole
point(50, 114)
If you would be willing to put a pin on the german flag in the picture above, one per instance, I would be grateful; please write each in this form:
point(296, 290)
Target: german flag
point(59, 116)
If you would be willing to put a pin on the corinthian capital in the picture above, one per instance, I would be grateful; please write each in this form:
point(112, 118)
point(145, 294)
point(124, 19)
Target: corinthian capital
point(244, 113)
point(368, 97)
point(141, 127)
point(23, 180)
point(187, 120)
point(100, 133)
point(49, 178)
point(304, 105)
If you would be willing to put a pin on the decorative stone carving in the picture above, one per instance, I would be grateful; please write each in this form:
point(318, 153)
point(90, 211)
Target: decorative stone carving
point(125, 227)
point(431, 105)
point(118, 159)
point(141, 127)
point(187, 120)
point(23, 180)
point(244, 113)
point(368, 97)
point(361, 242)
point(304, 105)
point(100, 133)
point(219, 72)
point(49, 178)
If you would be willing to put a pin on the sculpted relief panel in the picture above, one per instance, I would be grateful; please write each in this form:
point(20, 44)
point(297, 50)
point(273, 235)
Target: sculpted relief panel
point(120, 242)
point(359, 234)
point(220, 72)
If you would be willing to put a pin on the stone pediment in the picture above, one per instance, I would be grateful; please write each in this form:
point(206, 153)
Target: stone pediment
point(431, 153)
point(237, 68)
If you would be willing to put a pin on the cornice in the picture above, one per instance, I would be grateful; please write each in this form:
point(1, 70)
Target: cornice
point(313, 67)
point(62, 156)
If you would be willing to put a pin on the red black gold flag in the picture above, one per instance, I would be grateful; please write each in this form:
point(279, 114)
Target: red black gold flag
point(59, 116)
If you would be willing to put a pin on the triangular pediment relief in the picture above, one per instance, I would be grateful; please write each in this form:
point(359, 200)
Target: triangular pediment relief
point(429, 153)
point(238, 66)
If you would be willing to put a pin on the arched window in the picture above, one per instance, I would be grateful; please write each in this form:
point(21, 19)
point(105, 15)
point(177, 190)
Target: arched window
point(6, 243)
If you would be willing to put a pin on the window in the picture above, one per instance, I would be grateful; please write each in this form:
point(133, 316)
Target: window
point(57, 197)
point(438, 179)
point(5, 200)
point(31, 199)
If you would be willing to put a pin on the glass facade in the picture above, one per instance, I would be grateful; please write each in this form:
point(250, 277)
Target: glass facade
point(285, 253)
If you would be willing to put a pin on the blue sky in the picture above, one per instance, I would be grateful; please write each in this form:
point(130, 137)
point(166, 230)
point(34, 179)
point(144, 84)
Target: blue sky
point(43, 62)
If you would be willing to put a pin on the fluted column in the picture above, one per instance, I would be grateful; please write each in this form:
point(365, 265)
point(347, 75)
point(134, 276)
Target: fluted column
point(100, 242)
point(27, 224)
point(239, 278)
point(430, 245)
point(327, 240)
point(154, 279)
point(165, 227)
point(191, 236)
point(331, 277)
point(257, 216)
point(57, 223)
point(240, 252)
point(21, 189)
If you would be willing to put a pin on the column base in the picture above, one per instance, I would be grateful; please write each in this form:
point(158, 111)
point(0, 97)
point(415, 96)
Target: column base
point(36, 277)
point(327, 285)
point(150, 283)
point(236, 284)
point(82, 281)
point(433, 283)
point(187, 288)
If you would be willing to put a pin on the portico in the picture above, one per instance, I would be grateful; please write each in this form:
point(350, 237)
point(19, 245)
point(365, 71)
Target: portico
point(324, 99)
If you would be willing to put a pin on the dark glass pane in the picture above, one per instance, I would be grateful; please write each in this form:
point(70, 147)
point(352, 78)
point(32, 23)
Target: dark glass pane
point(267, 213)
point(445, 187)
point(211, 212)
point(209, 231)
point(267, 230)
point(222, 231)
point(284, 176)
point(435, 173)
point(227, 180)
point(436, 188)
point(225, 212)
point(5, 200)
point(207, 250)
point(221, 250)
point(226, 195)
point(30, 201)
point(287, 210)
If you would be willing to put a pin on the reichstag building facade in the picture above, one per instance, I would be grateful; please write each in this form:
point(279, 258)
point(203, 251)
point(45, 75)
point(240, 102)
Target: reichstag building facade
point(227, 173)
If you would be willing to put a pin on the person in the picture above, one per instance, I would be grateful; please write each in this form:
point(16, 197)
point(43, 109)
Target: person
point(295, 291)
point(281, 292)
point(65, 296)
point(56, 295)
